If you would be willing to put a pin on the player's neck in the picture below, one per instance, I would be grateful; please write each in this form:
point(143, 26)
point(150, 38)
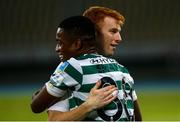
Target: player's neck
point(91, 50)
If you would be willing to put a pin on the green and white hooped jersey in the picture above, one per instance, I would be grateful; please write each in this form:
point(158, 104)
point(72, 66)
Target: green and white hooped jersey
point(80, 75)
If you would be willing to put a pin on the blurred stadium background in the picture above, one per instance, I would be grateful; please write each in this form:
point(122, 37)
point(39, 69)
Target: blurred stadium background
point(150, 50)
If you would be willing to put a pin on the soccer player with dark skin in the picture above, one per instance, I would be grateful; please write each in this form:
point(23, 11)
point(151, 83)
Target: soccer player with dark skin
point(108, 23)
point(70, 45)
point(108, 26)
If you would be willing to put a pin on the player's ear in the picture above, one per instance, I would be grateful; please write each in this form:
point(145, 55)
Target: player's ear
point(78, 44)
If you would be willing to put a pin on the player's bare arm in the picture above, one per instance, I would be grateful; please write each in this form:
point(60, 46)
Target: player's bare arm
point(42, 100)
point(97, 99)
point(137, 112)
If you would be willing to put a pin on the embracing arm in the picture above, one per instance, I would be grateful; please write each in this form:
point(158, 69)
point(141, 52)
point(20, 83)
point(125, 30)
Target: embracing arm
point(41, 100)
point(96, 99)
point(78, 113)
point(137, 112)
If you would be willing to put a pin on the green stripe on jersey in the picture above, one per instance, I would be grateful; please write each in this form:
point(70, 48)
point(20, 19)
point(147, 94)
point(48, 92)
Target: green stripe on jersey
point(85, 56)
point(77, 101)
point(110, 106)
point(119, 84)
point(130, 104)
point(125, 70)
point(102, 68)
point(72, 103)
point(123, 119)
point(75, 74)
point(63, 86)
point(87, 87)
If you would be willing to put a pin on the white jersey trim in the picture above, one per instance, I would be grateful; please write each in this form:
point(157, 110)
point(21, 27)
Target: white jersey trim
point(54, 91)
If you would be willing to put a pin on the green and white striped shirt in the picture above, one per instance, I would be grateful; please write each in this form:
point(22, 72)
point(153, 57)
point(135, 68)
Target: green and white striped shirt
point(80, 75)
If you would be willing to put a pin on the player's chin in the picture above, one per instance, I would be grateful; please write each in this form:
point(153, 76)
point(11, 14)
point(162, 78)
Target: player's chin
point(61, 57)
point(111, 52)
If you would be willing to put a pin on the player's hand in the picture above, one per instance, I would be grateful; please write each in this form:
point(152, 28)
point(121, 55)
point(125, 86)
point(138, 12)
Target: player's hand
point(101, 97)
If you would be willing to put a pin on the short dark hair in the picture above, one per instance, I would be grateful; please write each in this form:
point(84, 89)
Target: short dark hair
point(78, 27)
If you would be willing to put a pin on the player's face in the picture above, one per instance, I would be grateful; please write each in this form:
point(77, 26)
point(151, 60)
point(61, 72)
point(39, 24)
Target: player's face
point(64, 46)
point(109, 36)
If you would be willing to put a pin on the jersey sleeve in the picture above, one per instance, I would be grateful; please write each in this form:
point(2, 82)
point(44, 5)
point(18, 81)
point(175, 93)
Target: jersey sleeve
point(65, 77)
point(56, 86)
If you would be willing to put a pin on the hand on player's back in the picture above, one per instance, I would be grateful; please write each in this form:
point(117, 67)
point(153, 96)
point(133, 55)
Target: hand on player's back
point(101, 97)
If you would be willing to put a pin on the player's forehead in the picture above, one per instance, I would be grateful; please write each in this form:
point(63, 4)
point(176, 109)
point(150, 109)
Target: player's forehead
point(110, 23)
point(59, 32)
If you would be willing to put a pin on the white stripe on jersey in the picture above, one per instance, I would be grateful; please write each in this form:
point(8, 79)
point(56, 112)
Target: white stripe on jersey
point(85, 62)
point(62, 106)
point(76, 64)
point(54, 91)
point(93, 78)
point(134, 96)
point(69, 81)
point(81, 95)
point(128, 78)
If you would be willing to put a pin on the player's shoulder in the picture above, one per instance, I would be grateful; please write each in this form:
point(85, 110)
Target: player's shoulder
point(124, 69)
point(87, 56)
point(121, 66)
point(61, 67)
point(84, 59)
point(74, 63)
point(70, 62)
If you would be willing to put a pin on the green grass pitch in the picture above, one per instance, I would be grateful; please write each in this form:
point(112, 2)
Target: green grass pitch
point(155, 106)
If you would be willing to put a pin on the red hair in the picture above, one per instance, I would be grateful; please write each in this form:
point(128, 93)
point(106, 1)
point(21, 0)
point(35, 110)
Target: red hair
point(96, 14)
